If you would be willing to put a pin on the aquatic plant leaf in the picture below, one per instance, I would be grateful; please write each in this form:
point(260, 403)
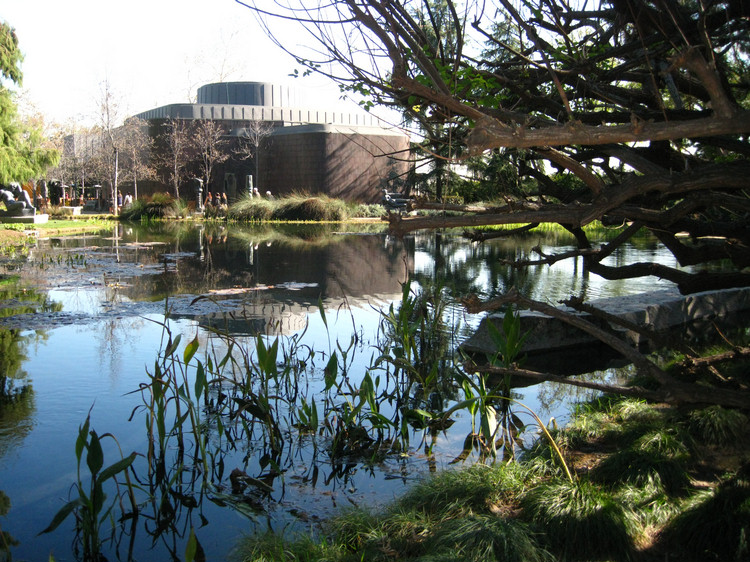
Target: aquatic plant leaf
point(253, 407)
point(117, 467)
point(322, 310)
point(61, 515)
point(331, 371)
point(94, 455)
point(200, 380)
point(83, 432)
point(314, 417)
point(190, 350)
point(173, 345)
point(193, 550)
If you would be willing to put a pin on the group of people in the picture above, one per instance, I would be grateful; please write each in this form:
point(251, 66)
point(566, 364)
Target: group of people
point(124, 201)
point(216, 200)
point(255, 193)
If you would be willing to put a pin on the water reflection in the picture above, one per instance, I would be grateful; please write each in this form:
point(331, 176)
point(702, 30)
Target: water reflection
point(114, 288)
point(17, 409)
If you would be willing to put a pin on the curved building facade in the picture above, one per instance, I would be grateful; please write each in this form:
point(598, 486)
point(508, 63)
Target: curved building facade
point(249, 93)
point(348, 155)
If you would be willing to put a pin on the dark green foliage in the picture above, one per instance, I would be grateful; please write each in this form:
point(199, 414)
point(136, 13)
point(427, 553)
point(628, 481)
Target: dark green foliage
point(473, 489)
point(643, 467)
point(271, 547)
point(159, 206)
point(717, 527)
point(485, 537)
point(719, 426)
point(453, 532)
point(22, 155)
point(10, 54)
point(578, 520)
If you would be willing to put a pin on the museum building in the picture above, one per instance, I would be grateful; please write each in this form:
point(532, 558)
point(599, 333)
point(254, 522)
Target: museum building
point(348, 155)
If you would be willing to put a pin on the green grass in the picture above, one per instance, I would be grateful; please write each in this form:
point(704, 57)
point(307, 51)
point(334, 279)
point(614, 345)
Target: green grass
point(578, 520)
point(475, 489)
point(715, 527)
point(159, 206)
point(295, 207)
point(636, 501)
point(270, 547)
point(719, 426)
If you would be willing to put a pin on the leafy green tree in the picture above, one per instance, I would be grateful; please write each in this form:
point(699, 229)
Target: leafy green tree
point(22, 154)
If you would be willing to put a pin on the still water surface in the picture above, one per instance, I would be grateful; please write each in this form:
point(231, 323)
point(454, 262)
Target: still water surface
point(100, 328)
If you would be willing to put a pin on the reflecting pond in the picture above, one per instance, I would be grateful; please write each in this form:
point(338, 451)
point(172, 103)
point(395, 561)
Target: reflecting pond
point(91, 322)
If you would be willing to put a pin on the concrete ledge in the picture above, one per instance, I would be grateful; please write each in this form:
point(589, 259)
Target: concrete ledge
point(71, 210)
point(661, 310)
point(29, 219)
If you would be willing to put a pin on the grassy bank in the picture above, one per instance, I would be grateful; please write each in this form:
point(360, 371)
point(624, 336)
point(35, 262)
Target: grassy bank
point(15, 237)
point(649, 483)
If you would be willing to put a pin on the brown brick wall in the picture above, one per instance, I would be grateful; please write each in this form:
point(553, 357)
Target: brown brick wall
point(352, 167)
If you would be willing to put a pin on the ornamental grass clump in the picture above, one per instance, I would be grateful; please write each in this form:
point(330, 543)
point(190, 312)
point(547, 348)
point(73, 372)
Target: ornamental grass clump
point(716, 526)
point(477, 488)
point(578, 520)
point(303, 207)
point(160, 205)
point(272, 547)
point(466, 515)
point(423, 534)
point(251, 209)
point(477, 538)
point(641, 467)
point(719, 426)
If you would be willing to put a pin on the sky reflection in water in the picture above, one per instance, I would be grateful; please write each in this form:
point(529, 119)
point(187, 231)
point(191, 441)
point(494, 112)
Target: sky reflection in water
point(114, 290)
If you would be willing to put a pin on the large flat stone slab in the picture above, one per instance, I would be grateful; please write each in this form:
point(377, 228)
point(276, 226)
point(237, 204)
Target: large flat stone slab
point(25, 219)
point(662, 310)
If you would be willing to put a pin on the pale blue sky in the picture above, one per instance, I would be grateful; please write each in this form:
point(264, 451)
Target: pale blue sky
point(152, 53)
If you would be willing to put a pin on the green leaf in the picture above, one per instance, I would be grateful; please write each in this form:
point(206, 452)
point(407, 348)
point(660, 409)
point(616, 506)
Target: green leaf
point(190, 350)
point(173, 345)
point(322, 312)
point(83, 432)
point(117, 467)
point(61, 515)
point(95, 455)
point(98, 498)
point(200, 380)
point(331, 371)
point(192, 546)
point(423, 413)
point(314, 422)
point(255, 408)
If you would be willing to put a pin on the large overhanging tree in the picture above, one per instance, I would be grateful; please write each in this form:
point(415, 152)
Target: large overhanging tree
point(643, 103)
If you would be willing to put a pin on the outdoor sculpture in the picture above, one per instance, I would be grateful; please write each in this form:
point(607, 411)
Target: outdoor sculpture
point(16, 201)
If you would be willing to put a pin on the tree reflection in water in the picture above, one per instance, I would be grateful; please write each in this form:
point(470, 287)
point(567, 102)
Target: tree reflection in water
point(256, 423)
point(16, 394)
point(226, 423)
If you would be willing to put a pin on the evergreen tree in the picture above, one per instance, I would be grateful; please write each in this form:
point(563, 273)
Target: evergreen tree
point(22, 156)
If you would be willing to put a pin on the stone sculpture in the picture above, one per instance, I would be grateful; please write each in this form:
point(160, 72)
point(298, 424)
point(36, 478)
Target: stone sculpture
point(16, 201)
